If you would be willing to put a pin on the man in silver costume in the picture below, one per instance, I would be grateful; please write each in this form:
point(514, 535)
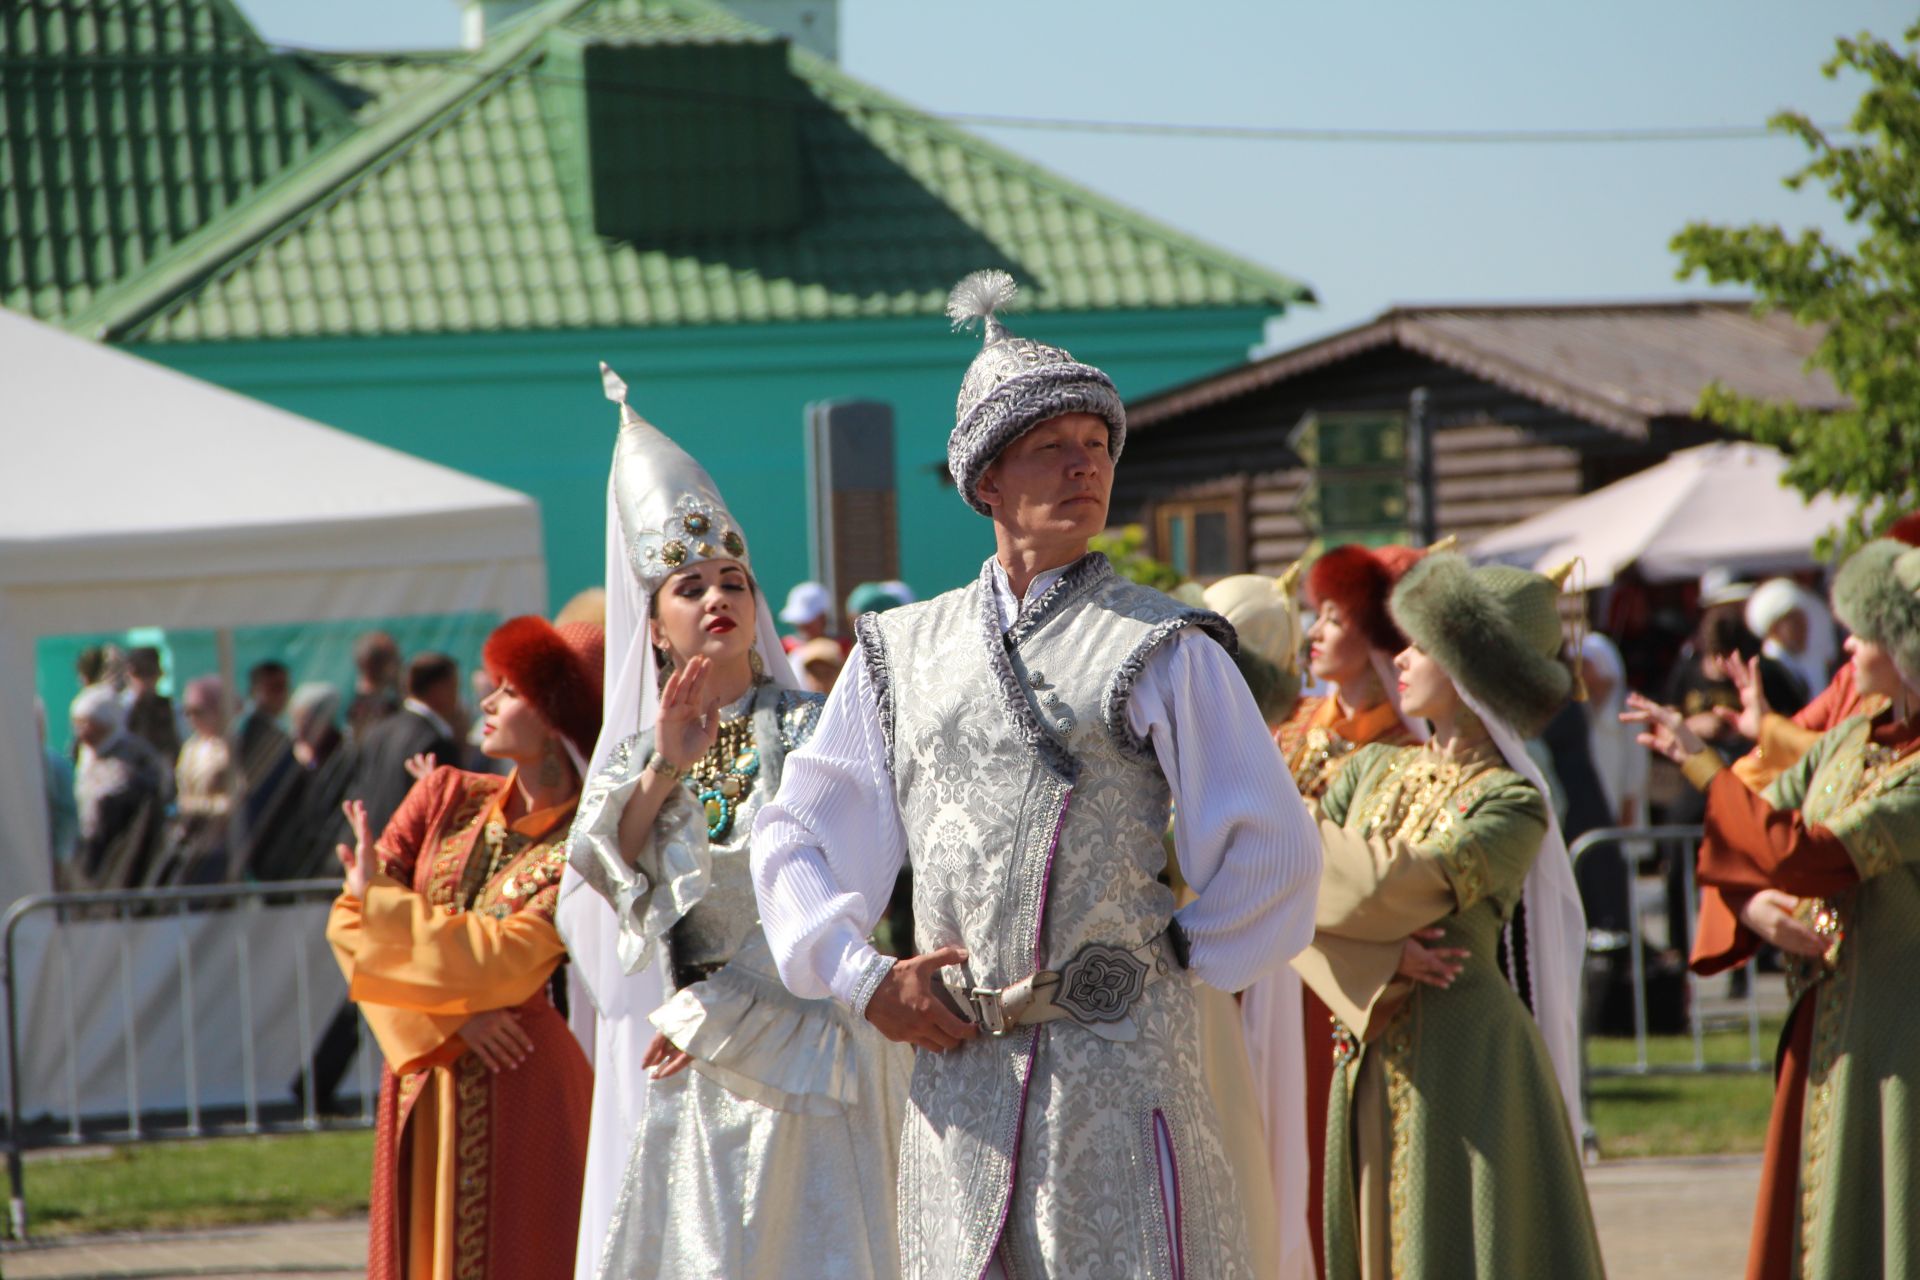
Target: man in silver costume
point(1018, 742)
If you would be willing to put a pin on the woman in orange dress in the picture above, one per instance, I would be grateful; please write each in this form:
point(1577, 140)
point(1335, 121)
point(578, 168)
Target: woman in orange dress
point(445, 934)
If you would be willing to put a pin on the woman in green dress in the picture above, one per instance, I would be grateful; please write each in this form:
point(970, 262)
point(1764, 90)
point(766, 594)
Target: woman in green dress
point(1450, 1147)
point(1825, 864)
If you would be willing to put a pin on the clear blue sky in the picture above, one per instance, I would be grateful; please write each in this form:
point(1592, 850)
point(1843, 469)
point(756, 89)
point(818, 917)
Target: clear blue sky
point(1367, 225)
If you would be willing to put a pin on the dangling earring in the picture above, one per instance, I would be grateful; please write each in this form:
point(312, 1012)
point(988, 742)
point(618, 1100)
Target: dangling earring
point(758, 667)
point(552, 771)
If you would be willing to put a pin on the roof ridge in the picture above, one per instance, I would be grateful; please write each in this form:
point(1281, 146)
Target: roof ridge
point(234, 238)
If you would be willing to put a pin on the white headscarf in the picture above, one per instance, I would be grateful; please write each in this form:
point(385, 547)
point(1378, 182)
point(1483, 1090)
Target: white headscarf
point(1556, 924)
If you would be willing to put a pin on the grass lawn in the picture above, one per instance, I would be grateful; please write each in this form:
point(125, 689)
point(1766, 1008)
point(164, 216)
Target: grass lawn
point(178, 1185)
point(1683, 1115)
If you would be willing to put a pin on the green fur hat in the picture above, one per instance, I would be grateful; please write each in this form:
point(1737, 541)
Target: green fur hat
point(1495, 630)
point(1876, 595)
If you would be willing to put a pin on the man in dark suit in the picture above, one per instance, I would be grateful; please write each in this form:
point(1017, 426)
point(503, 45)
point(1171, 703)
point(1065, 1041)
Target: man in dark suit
point(426, 723)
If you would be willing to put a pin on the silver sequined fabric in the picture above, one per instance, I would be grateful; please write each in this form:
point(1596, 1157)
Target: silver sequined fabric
point(776, 1153)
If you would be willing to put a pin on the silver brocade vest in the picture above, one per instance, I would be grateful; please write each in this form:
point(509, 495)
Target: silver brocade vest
point(1034, 824)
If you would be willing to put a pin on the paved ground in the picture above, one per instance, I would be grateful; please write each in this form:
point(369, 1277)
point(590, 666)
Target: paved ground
point(1659, 1220)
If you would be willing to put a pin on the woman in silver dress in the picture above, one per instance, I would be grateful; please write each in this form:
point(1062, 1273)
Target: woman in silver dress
point(767, 1145)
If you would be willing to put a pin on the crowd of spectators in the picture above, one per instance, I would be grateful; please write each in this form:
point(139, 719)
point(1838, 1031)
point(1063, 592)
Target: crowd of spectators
point(210, 792)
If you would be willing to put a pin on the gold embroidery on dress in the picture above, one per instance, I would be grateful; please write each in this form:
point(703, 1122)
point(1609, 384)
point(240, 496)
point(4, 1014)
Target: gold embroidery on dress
point(472, 1102)
point(1422, 797)
point(1398, 1061)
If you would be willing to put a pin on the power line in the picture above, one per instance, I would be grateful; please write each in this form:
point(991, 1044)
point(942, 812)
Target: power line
point(1060, 124)
point(1414, 137)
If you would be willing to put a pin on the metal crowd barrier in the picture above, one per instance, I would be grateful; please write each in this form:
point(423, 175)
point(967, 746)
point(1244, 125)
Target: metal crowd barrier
point(139, 1122)
point(1636, 844)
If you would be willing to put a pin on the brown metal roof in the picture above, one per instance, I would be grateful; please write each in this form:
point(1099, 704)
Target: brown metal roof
point(1617, 365)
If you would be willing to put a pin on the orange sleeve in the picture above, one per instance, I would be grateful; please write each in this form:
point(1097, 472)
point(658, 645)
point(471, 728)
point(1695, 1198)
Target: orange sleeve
point(1750, 845)
point(1782, 743)
point(410, 957)
point(1720, 941)
point(408, 1039)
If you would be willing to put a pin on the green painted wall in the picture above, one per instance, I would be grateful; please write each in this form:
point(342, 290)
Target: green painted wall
point(525, 410)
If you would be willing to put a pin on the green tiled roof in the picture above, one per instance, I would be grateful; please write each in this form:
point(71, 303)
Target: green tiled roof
point(126, 126)
point(456, 203)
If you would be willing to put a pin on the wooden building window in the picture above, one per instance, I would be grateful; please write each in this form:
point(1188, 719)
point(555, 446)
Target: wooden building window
point(1200, 539)
point(1356, 487)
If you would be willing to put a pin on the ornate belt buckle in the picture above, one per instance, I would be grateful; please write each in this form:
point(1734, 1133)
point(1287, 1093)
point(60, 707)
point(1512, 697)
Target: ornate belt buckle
point(990, 1010)
point(1101, 983)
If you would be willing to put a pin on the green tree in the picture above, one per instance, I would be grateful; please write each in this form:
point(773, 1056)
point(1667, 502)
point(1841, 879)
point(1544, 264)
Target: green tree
point(1865, 299)
point(1127, 549)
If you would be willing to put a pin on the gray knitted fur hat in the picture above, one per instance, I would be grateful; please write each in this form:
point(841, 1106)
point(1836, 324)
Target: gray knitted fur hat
point(1014, 385)
point(1876, 595)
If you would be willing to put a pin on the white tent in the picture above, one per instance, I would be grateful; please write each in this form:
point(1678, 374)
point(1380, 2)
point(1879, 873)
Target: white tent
point(139, 496)
point(1715, 506)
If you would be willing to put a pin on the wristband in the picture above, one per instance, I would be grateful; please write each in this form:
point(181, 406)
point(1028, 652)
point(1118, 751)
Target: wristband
point(661, 767)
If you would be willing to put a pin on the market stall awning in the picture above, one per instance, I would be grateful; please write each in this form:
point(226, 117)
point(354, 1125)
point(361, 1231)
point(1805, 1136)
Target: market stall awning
point(1715, 506)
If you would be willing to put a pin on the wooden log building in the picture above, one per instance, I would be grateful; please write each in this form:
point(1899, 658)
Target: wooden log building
point(1437, 420)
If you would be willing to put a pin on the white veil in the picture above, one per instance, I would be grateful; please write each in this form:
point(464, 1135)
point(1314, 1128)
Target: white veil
point(1556, 924)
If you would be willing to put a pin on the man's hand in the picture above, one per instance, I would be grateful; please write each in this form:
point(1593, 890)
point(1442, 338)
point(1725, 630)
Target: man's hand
point(664, 1058)
point(1769, 913)
point(497, 1039)
point(1435, 966)
point(905, 1008)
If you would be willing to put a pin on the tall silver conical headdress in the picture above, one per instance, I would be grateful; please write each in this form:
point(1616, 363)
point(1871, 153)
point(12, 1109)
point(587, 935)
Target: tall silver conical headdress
point(1014, 385)
point(671, 511)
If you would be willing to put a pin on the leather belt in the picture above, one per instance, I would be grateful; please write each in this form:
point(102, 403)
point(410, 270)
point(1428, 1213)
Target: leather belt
point(1099, 985)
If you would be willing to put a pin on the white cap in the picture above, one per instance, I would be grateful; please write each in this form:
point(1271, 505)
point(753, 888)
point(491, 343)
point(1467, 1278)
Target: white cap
point(1772, 601)
point(1717, 587)
point(807, 602)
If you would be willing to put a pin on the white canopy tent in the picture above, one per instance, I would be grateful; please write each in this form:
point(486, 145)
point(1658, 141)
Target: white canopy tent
point(140, 496)
point(1715, 506)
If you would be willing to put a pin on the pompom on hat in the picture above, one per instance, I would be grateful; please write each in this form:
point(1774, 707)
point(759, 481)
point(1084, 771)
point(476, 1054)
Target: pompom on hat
point(1014, 385)
point(1495, 630)
point(557, 669)
point(1876, 595)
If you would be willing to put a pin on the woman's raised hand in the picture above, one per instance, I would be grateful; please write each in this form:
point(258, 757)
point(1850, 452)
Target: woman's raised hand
point(1666, 729)
point(1745, 674)
point(689, 720)
point(358, 861)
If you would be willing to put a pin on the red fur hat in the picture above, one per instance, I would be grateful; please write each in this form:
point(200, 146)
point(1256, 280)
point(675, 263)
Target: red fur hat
point(1906, 529)
point(558, 671)
point(1359, 579)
